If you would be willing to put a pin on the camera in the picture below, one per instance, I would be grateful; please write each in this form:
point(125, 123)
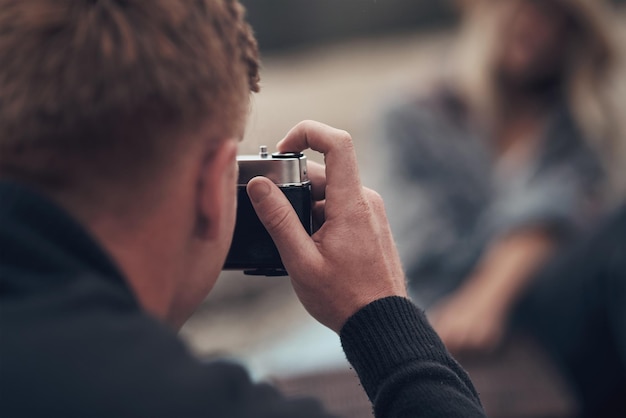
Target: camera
point(252, 249)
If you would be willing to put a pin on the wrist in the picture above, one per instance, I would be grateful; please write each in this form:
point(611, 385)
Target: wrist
point(348, 310)
point(386, 334)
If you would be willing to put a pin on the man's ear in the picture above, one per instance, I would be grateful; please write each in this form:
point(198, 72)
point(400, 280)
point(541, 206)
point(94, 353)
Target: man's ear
point(216, 189)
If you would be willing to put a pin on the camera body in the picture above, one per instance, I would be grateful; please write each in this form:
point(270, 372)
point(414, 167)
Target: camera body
point(252, 249)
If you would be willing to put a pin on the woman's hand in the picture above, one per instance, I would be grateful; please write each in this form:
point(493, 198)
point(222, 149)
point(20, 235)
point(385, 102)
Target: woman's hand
point(468, 321)
point(475, 317)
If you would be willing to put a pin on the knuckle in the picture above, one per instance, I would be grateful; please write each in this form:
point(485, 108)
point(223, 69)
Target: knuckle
point(278, 220)
point(363, 214)
point(363, 205)
point(345, 139)
point(375, 199)
point(373, 195)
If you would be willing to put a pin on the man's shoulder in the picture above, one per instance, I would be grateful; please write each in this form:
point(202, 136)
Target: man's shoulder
point(81, 347)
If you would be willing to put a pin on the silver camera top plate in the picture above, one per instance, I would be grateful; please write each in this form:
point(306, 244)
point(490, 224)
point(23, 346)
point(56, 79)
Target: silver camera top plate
point(289, 169)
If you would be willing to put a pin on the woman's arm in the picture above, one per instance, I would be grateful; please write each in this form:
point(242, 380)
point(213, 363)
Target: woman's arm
point(474, 317)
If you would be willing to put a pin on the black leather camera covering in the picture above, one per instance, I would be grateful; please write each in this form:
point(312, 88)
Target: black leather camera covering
point(252, 249)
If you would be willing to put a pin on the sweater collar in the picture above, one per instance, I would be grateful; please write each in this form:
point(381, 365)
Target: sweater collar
point(39, 235)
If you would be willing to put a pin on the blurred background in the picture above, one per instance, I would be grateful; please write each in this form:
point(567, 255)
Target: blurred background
point(343, 62)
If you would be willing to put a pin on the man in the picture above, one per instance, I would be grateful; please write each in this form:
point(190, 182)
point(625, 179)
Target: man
point(119, 124)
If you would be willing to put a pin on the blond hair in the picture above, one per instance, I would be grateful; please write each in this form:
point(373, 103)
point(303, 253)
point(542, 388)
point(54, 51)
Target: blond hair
point(593, 82)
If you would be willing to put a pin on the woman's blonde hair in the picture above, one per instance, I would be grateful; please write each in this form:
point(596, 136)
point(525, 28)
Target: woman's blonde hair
point(594, 83)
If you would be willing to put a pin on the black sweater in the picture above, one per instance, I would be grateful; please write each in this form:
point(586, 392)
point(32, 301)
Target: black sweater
point(75, 343)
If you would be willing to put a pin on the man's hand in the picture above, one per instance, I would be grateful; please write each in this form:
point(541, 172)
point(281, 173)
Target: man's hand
point(351, 260)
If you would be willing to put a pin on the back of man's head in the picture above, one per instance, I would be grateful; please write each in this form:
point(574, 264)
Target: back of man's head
point(98, 91)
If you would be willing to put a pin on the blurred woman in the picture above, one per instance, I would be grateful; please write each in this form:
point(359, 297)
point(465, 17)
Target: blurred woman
point(516, 151)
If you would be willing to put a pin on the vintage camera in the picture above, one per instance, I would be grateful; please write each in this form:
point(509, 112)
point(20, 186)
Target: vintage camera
point(253, 250)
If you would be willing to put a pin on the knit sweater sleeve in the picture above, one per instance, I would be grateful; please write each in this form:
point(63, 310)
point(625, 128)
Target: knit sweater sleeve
point(403, 366)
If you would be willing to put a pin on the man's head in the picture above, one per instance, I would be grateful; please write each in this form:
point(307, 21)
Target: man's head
point(93, 83)
point(126, 109)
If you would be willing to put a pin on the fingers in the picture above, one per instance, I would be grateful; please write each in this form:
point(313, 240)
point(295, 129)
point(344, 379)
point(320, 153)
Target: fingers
point(466, 334)
point(280, 220)
point(319, 215)
point(351, 260)
point(342, 173)
point(317, 175)
point(463, 342)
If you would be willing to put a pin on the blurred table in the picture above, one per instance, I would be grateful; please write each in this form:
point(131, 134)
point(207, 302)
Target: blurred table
point(517, 382)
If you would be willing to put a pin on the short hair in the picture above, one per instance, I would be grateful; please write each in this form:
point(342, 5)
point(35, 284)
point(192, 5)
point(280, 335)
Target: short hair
point(90, 83)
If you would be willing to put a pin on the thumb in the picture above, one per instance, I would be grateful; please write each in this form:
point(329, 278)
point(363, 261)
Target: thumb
point(280, 220)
